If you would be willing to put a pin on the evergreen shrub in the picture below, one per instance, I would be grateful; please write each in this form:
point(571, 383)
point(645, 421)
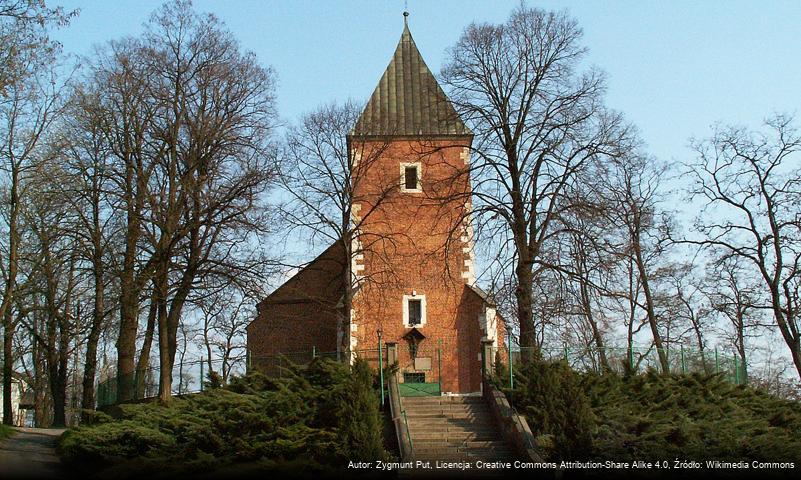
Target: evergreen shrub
point(324, 414)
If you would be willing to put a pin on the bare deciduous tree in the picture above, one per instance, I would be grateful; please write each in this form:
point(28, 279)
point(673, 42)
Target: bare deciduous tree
point(323, 175)
point(538, 121)
point(186, 118)
point(632, 189)
point(735, 297)
point(750, 184)
point(28, 109)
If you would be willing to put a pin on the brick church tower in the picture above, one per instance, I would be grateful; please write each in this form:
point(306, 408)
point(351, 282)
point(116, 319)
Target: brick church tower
point(413, 260)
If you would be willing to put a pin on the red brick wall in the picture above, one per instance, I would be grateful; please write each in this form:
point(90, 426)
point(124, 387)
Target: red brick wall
point(413, 242)
point(409, 242)
point(301, 314)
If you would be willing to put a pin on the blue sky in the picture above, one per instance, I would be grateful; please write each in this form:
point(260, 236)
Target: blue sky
point(674, 67)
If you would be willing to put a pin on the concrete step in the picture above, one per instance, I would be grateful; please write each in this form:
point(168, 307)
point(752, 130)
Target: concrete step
point(466, 456)
point(445, 420)
point(413, 415)
point(453, 473)
point(450, 457)
point(443, 403)
point(446, 414)
point(457, 418)
point(457, 409)
point(457, 437)
point(448, 430)
point(444, 400)
point(451, 427)
point(470, 444)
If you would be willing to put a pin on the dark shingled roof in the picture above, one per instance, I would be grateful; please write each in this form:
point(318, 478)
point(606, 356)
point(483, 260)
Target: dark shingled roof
point(408, 100)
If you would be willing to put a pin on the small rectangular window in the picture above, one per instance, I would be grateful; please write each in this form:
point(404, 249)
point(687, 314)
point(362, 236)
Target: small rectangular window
point(414, 377)
point(415, 312)
point(410, 177)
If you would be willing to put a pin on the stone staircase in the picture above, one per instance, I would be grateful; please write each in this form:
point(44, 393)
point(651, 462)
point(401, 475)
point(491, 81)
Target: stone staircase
point(455, 429)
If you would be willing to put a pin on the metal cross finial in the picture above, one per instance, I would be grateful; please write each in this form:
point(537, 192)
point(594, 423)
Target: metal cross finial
point(406, 12)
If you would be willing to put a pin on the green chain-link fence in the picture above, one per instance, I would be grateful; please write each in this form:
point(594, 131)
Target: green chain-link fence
point(189, 376)
point(192, 375)
point(622, 360)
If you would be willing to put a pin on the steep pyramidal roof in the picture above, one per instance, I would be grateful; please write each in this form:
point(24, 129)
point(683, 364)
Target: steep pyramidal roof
point(408, 100)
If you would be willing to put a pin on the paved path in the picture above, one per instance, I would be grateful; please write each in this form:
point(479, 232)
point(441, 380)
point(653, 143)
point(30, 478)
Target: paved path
point(30, 453)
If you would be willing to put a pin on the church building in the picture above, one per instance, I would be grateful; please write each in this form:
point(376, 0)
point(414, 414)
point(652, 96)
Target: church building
point(411, 258)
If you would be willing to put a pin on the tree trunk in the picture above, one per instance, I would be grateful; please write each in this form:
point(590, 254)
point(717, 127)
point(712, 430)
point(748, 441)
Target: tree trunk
point(344, 318)
point(143, 364)
point(700, 339)
point(740, 341)
point(90, 362)
point(649, 304)
point(792, 339)
point(525, 312)
point(8, 370)
point(596, 333)
point(169, 328)
point(57, 374)
point(8, 294)
point(130, 283)
point(126, 341)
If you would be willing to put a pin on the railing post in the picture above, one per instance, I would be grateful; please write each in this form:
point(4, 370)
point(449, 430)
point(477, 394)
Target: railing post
point(392, 359)
point(392, 353)
point(486, 358)
point(439, 364)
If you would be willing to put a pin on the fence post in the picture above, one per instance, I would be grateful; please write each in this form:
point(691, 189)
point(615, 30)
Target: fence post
point(486, 358)
point(631, 359)
point(656, 354)
point(439, 363)
point(717, 361)
point(511, 363)
point(381, 367)
point(483, 363)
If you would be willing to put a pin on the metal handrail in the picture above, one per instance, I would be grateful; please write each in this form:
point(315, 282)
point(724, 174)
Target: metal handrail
point(402, 416)
point(409, 435)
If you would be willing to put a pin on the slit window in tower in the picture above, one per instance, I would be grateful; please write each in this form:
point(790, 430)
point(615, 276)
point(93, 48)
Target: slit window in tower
point(410, 172)
point(415, 312)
